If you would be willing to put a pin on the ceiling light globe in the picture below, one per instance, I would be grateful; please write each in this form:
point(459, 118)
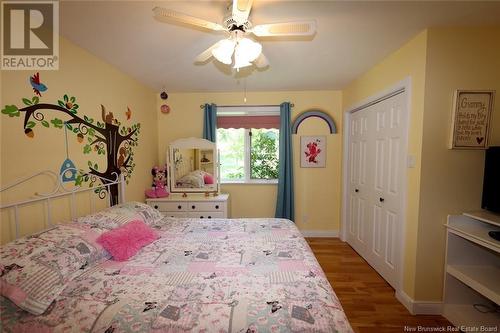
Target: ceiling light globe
point(224, 51)
point(241, 58)
point(241, 63)
point(250, 49)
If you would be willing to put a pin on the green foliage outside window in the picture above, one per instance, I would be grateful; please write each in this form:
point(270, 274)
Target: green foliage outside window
point(231, 144)
point(264, 154)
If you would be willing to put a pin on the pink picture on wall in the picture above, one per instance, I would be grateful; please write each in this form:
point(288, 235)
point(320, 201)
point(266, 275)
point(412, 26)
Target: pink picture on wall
point(312, 151)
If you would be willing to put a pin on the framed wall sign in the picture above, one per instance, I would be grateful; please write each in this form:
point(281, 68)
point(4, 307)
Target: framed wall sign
point(312, 151)
point(471, 119)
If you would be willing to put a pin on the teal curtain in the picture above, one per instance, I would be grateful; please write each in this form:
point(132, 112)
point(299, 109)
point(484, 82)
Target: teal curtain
point(285, 202)
point(210, 122)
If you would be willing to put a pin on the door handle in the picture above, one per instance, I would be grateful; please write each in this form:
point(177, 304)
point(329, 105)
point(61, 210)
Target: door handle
point(381, 199)
point(356, 190)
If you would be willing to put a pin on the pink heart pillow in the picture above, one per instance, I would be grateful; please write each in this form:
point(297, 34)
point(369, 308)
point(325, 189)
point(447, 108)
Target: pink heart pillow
point(208, 179)
point(124, 242)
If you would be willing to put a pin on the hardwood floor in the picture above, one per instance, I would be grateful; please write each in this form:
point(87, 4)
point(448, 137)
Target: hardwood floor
point(366, 297)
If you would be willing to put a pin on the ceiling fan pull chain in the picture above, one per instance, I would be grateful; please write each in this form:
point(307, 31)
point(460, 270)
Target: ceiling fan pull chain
point(245, 87)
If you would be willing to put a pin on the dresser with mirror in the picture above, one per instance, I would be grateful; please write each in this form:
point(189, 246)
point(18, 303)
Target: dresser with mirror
point(193, 181)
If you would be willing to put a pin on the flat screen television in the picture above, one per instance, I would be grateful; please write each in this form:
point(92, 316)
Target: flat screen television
point(491, 182)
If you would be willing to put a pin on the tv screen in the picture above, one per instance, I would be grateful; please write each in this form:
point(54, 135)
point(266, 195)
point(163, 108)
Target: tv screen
point(491, 183)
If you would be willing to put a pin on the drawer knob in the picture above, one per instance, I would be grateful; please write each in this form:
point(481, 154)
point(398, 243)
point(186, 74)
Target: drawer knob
point(193, 206)
point(179, 207)
point(381, 199)
point(156, 206)
point(210, 217)
point(216, 206)
point(201, 217)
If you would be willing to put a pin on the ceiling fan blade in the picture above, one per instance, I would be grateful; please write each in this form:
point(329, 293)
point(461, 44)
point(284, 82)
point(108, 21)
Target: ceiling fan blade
point(241, 10)
point(261, 61)
point(207, 54)
point(165, 15)
point(299, 28)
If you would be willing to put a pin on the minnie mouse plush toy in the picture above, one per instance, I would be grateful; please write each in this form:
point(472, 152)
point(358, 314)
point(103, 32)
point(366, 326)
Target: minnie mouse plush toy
point(158, 189)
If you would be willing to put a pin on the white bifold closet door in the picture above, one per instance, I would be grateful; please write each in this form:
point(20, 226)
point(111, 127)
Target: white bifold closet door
point(376, 165)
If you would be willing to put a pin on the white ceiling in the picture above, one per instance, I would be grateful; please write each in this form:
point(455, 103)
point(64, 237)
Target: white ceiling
point(351, 37)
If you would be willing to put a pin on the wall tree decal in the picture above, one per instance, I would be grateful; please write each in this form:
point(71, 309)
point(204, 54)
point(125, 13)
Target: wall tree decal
point(104, 138)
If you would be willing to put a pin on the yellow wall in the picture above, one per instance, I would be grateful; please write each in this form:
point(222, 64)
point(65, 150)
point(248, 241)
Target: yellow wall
point(408, 61)
point(317, 191)
point(451, 180)
point(439, 61)
point(93, 82)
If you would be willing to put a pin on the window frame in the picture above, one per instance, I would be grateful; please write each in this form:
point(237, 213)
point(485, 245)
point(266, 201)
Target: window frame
point(243, 110)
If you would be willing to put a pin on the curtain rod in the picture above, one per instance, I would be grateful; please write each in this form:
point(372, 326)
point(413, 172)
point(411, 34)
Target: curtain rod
point(227, 106)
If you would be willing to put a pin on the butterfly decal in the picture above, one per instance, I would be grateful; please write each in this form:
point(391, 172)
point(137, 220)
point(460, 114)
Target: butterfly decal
point(110, 329)
point(149, 306)
point(275, 306)
point(5, 269)
point(311, 274)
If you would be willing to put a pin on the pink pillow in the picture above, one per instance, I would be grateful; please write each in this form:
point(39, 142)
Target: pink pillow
point(124, 242)
point(208, 179)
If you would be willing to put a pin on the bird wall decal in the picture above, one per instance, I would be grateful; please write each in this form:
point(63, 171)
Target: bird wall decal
point(38, 87)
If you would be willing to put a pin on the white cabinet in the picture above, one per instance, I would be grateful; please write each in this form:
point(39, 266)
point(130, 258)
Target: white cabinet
point(205, 160)
point(195, 206)
point(472, 270)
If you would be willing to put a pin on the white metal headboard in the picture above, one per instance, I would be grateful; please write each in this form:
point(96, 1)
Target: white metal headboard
point(60, 191)
point(184, 167)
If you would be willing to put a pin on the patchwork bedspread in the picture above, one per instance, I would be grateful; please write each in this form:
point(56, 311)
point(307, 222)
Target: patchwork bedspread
point(243, 275)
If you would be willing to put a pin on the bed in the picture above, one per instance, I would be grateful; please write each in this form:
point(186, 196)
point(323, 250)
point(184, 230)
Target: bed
point(221, 275)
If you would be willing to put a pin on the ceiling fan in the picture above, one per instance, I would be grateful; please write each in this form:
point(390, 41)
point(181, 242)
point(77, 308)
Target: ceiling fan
point(238, 49)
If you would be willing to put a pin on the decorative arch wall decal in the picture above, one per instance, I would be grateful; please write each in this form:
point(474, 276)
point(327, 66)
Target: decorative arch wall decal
point(314, 113)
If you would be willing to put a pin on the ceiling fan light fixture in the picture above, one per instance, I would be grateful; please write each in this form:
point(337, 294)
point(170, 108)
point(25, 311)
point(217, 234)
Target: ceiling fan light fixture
point(248, 49)
point(243, 56)
point(240, 63)
point(224, 51)
point(244, 50)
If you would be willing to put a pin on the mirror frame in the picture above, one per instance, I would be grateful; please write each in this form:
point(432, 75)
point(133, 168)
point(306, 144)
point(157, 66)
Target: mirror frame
point(192, 143)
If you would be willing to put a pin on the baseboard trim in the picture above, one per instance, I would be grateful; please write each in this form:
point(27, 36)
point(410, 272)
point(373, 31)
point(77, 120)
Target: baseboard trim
point(320, 233)
point(419, 307)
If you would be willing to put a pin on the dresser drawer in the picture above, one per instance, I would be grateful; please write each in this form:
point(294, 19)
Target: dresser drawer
point(206, 206)
point(169, 206)
point(206, 215)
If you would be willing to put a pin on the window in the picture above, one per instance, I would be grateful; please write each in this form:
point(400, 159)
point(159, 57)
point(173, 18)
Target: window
point(248, 141)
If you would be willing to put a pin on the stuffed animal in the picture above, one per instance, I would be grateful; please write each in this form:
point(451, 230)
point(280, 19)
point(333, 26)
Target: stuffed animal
point(158, 189)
